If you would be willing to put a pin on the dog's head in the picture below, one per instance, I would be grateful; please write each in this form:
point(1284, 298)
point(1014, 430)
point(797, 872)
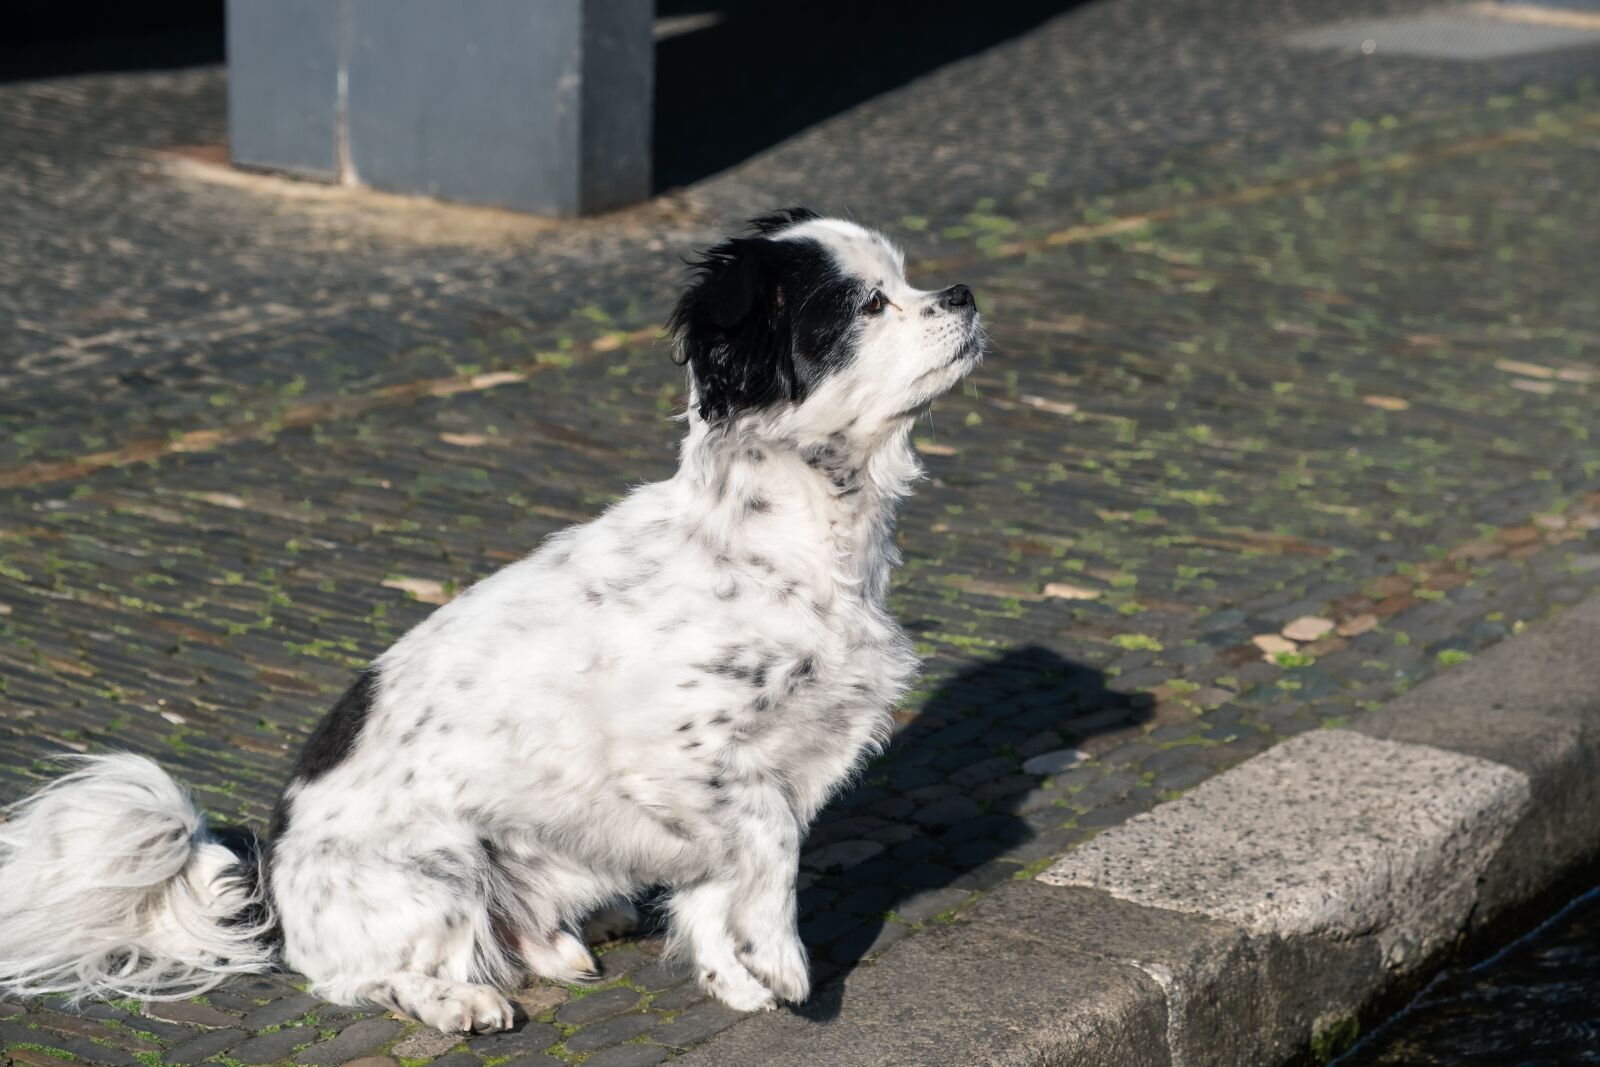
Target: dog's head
point(810, 322)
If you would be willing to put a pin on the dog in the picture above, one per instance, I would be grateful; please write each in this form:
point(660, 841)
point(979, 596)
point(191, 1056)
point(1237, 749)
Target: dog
point(663, 697)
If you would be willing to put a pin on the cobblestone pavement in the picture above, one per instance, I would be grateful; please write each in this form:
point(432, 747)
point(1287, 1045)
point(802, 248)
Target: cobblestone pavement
point(1262, 442)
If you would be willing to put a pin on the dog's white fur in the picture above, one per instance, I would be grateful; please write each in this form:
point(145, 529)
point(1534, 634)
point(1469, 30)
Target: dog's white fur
point(664, 696)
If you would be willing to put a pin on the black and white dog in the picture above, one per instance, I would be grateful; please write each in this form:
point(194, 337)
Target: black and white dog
point(662, 697)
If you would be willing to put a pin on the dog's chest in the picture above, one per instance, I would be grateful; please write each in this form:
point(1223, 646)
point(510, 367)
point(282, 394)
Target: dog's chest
point(813, 676)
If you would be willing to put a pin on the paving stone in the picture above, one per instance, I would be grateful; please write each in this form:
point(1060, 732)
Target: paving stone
point(1141, 680)
point(1175, 731)
point(869, 901)
point(1167, 757)
point(1191, 655)
point(270, 1047)
point(1236, 750)
point(425, 1044)
point(1055, 762)
point(535, 1000)
point(679, 997)
point(948, 812)
point(30, 1057)
point(612, 1031)
point(1040, 743)
point(999, 789)
point(823, 927)
point(259, 985)
point(461, 1059)
point(998, 828)
point(90, 1029)
point(1046, 819)
point(93, 1051)
point(906, 777)
point(354, 1040)
point(695, 1025)
point(983, 771)
point(203, 1047)
point(1182, 776)
point(841, 854)
point(840, 829)
point(662, 974)
point(1052, 842)
point(930, 794)
point(1109, 788)
point(234, 1002)
point(1037, 798)
point(339, 1016)
point(627, 1056)
point(892, 834)
point(600, 1005)
point(530, 1037)
point(923, 876)
point(1289, 719)
point(89, 1009)
point(164, 1032)
point(13, 1033)
point(1110, 815)
point(188, 1011)
point(1124, 755)
point(286, 1010)
point(621, 961)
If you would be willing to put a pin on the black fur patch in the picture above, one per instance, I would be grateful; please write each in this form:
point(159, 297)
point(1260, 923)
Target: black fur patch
point(338, 731)
point(248, 875)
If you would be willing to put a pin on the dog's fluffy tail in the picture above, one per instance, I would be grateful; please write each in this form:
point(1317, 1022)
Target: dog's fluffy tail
point(110, 885)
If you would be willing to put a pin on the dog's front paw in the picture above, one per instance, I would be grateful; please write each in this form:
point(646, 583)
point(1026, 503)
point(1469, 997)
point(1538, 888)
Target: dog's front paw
point(468, 1009)
point(738, 989)
point(780, 964)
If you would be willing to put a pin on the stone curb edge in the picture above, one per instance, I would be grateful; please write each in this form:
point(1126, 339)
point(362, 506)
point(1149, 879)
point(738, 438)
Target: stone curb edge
point(1134, 959)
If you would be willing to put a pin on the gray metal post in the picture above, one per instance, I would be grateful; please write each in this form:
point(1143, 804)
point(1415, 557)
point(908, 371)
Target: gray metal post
point(538, 105)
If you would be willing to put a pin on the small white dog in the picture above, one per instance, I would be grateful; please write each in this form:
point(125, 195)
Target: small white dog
point(662, 697)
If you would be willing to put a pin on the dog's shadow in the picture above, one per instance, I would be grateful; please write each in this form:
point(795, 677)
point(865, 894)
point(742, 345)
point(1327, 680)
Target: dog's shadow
point(948, 808)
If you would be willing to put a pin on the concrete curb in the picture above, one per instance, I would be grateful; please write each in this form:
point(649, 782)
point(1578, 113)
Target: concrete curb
point(1251, 920)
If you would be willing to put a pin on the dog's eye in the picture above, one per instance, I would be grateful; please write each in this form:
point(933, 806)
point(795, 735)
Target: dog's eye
point(875, 303)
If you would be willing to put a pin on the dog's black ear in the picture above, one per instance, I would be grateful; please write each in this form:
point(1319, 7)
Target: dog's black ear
point(782, 219)
point(732, 329)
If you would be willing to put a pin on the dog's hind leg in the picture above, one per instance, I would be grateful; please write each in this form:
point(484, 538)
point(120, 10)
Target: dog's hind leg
point(454, 1007)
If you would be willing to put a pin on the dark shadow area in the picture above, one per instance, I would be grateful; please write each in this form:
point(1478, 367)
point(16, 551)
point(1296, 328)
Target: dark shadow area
point(55, 38)
point(743, 75)
point(946, 803)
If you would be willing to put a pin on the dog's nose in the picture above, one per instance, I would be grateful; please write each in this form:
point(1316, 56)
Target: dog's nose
point(958, 298)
